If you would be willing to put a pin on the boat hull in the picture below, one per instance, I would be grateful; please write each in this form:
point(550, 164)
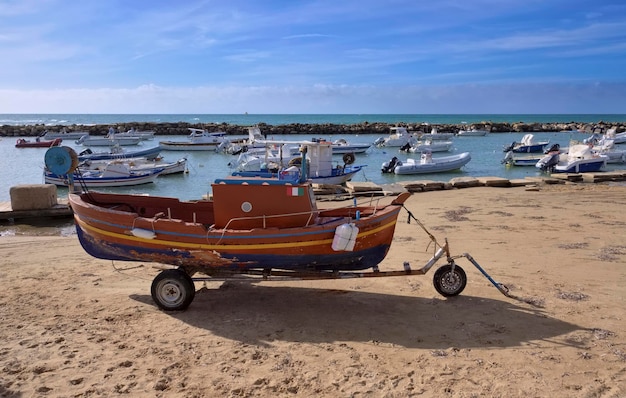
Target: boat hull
point(96, 182)
point(150, 154)
point(581, 166)
point(534, 148)
point(185, 146)
point(189, 240)
point(350, 148)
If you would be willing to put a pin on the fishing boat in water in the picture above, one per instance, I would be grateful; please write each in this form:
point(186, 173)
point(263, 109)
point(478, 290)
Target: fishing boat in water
point(37, 143)
point(112, 175)
point(117, 152)
point(286, 157)
point(198, 140)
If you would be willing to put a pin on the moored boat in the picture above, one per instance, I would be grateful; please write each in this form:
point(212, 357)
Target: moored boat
point(428, 146)
point(578, 159)
point(426, 164)
point(38, 143)
point(341, 146)
point(64, 134)
point(113, 175)
point(108, 140)
point(117, 152)
point(521, 159)
point(319, 168)
point(527, 145)
point(399, 137)
point(139, 164)
point(472, 133)
point(198, 140)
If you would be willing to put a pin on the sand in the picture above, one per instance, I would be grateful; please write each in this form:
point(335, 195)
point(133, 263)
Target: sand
point(75, 326)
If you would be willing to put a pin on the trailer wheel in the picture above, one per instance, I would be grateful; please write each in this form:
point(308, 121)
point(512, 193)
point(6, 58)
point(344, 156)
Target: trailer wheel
point(173, 290)
point(448, 281)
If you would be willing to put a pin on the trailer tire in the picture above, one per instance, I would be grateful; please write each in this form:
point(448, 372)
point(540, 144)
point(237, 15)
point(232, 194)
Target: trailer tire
point(448, 281)
point(173, 290)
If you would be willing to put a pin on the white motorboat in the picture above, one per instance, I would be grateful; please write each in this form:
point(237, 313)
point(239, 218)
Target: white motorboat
point(436, 135)
point(428, 146)
point(607, 147)
point(399, 137)
point(618, 138)
point(272, 157)
point(64, 134)
point(521, 159)
point(341, 146)
point(87, 140)
point(472, 133)
point(426, 164)
point(579, 158)
point(141, 134)
point(198, 140)
point(527, 145)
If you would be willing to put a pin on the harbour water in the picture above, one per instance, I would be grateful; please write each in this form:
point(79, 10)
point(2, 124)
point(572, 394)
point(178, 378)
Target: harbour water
point(25, 165)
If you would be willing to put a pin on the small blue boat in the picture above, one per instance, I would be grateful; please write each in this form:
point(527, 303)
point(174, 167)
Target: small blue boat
point(527, 145)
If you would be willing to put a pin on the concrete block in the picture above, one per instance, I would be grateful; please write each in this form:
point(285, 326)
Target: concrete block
point(33, 196)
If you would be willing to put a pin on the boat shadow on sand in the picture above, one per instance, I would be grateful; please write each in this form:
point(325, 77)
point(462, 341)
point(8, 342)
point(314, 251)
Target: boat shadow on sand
point(256, 314)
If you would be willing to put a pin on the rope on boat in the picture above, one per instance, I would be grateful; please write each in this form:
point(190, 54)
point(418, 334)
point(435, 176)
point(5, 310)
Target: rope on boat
point(430, 235)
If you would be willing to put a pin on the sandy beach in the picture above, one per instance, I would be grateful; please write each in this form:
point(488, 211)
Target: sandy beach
point(75, 326)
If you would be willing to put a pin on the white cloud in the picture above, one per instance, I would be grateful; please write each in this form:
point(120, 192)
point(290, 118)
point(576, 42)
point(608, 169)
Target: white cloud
point(323, 98)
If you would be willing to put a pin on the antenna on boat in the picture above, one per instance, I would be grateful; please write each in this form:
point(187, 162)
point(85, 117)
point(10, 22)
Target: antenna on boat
point(303, 168)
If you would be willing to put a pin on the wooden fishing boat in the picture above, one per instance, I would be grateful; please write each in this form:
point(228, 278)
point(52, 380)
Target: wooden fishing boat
point(250, 224)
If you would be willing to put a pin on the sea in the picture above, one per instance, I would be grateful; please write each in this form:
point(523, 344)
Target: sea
point(25, 165)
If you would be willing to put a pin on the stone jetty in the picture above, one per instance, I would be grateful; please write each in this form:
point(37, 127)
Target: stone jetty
point(313, 130)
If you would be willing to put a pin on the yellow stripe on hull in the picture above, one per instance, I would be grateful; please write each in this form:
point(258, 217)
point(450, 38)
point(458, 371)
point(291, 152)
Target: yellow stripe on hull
point(238, 247)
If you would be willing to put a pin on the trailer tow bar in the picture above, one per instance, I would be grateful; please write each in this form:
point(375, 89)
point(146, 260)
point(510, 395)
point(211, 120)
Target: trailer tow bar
point(501, 287)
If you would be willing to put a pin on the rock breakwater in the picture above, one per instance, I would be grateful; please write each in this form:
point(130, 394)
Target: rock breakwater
point(324, 129)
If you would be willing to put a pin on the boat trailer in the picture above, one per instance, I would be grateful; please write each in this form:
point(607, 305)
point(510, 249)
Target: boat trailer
point(173, 288)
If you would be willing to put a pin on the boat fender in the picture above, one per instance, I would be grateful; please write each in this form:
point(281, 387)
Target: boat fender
point(297, 161)
point(143, 233)
point(345, 237)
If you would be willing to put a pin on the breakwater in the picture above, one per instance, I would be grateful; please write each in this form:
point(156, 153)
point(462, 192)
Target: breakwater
point(322, 129)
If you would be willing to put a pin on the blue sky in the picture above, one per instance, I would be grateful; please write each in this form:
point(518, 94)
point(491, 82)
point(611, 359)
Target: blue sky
point(327, 56)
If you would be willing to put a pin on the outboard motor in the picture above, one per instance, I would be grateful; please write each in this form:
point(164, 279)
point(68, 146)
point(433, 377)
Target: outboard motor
point(548, 162)
point(388, 167)
point(553, 148)
point(509, 147)
point(405, 147)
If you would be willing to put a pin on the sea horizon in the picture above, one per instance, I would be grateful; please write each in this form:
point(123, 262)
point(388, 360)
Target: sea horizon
point(247, 119)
